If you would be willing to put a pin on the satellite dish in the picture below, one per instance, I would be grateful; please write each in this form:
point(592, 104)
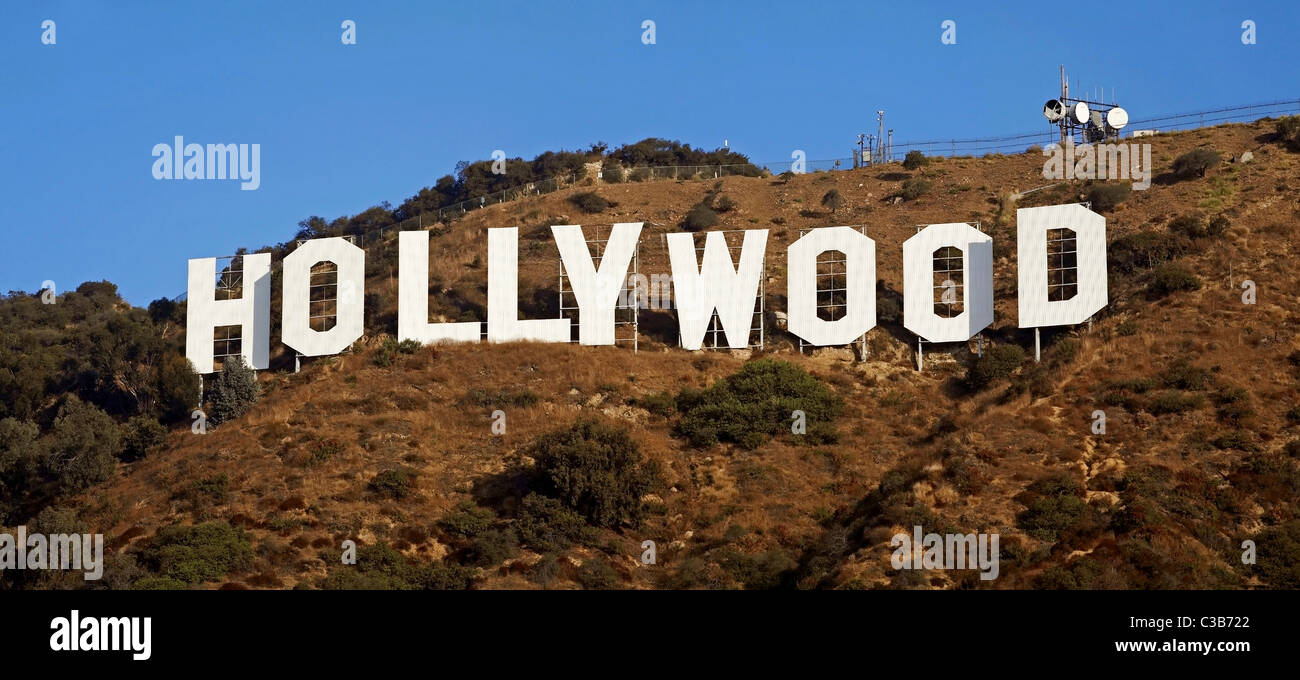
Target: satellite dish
point(1080, 113)
point(1116, 118)
point(1053, 110)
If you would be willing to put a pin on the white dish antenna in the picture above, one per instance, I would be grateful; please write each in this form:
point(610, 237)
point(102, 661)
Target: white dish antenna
point(1054, 110)
point(1116, 118)
point(1079, 113)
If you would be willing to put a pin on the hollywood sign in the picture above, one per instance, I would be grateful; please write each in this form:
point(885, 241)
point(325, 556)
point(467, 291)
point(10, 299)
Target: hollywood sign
point(715, 283)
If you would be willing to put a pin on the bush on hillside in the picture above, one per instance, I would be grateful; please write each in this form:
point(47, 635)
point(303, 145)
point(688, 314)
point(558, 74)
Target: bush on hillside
point(914, 159)
point(140, 434)
point(1288, 132)
point(178, 388)
point(467, 520)
point(755, 404)
point(380, 567)
point(396, 483)
point(1170, 278)
point(1105, 197)
point(596, 470)
point(832, 200)
point(82, 446)
point(234, 391)
point(1195, 163)
point(1279, 553)
point(597, 574)
point(914, 188)
point(998, 362)
point(196, 554)
point(547, 525)
point(589, 202)
point(611, 174)
point(1145, 250)
point(699, 218)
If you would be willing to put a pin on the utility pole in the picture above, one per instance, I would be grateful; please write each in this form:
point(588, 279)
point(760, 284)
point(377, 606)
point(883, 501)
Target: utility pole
point(880, 135)
point(1065, 97)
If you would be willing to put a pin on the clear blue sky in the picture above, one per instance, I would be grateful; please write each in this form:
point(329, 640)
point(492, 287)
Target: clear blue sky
point(342, 128)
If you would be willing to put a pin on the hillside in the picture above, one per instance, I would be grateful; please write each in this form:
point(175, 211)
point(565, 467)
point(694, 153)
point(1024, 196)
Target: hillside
point(1199, 391)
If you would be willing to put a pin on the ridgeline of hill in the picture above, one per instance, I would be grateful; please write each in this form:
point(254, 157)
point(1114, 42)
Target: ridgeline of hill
point(394, 447)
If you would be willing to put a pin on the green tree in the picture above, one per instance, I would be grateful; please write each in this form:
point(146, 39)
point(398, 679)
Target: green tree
point(1195, 163)
point(83, 445)
point(832, 200)
point(914, 159)
point(178, 388)
point(595, 469)
point(234, 391)
point(139, 435)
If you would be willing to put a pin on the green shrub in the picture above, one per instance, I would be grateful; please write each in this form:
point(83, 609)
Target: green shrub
point(1232, 439)
point(1234, 405)
point(1144, 250)
point(141, 434)
point(914, 188)
point(209, 490)
point(323, 451)
point(1105, 197)
point(1190, 226)
point(595, 469)
point(1195, 163)
point(589, 202)
point(196, 554)
point(997, 363)
point(755, 404)
point(1184, 375)
point(1218, 225)
point(234, 391)
point(1173, 401)
point(724, 204)
point(1288, 132)
point(914, 159)
point(491, 547)
point(700, 217)
point(467, 520)
point(659, 403)
point(397, 483)
point(385, 353)
point(832, 200)
point(1054, 504)
point(612, 174)
point(409, 346)
point(546, 525)
point(83, 445)
point(764, 571)
point(178, 389)
point(597, 574)
point(482, 398)
point(1170, 278)
point(379, 567)
point(1279, 556)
